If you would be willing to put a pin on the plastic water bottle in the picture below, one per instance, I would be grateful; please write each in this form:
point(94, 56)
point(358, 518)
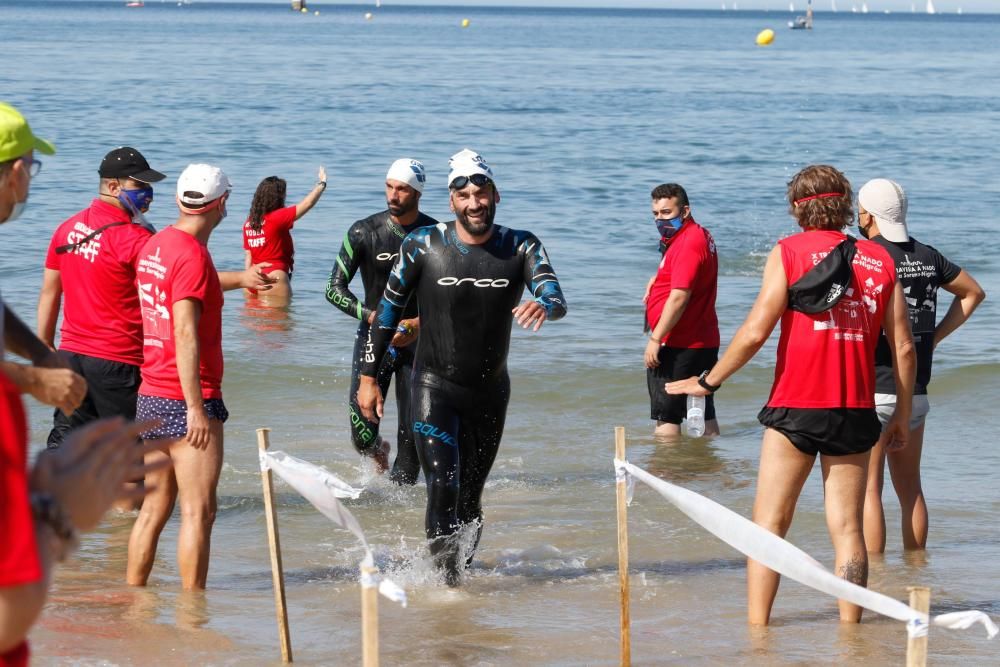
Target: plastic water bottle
point(696, 416)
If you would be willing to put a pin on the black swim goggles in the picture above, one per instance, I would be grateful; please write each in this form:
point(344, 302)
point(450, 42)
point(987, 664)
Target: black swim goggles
point(478, 180)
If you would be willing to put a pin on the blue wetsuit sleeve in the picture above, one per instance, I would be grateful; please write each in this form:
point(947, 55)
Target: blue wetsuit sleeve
point(402, 280)
point(541, 278)
point(348, 259)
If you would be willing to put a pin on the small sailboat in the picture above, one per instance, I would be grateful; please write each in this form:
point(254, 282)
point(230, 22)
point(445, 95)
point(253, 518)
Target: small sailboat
point(135, 3)
point(864, 7)
point(803, 22)
point(930, 7)
point(791, 7)
point(833, 6)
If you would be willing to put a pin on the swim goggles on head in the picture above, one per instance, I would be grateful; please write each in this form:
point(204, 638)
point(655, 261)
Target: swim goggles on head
point(460, 182)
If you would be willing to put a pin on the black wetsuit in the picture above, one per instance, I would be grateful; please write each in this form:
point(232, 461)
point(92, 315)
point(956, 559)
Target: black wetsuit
point(372, 244)
point(460, 389)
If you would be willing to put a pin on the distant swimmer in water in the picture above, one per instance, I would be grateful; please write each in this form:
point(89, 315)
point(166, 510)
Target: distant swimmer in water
point(921, 271)
point(372, 245)
point(467, 276)
point(267, 232)
point(832, 296)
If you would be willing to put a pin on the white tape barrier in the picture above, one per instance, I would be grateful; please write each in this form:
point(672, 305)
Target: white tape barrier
point(322, 488)
point(786, 559)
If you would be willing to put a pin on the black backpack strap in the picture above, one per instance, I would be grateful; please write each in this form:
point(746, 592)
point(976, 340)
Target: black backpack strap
point(822, 286)
point(69, 247)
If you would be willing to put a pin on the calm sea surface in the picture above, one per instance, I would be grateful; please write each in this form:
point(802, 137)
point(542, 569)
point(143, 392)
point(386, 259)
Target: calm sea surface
point(580, 113)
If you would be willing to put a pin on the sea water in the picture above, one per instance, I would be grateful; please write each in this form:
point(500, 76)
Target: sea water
point(581, 113)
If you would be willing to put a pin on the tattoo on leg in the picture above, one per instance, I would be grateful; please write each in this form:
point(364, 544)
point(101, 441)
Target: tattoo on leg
point(856, 570)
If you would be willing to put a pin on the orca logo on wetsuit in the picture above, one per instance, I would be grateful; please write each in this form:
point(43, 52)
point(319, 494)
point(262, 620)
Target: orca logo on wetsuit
point(386, 256)
point(449, 281)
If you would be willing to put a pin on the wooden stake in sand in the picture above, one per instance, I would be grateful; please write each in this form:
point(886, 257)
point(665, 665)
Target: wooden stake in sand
point(916, 647)
point(277, 573)
point(369, 616)
point(622, 492)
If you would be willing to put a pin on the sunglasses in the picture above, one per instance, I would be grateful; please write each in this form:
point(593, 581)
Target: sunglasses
point(478, 180)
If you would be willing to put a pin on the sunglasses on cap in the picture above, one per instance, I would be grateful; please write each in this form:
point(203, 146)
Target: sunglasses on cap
point(478, 180)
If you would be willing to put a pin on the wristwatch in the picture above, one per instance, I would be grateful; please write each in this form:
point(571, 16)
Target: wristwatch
point(47, 510)
point(703, 383)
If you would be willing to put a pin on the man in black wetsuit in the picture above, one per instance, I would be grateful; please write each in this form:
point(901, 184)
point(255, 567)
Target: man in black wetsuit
point(467, 276)
point(373, 245)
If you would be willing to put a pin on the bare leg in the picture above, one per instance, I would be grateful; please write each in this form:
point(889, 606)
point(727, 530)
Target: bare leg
point(874, 517)
point(712, 427)
point(844, 488)
point(156, 509)
point(782, 473)
point(280, 293)
point(667, 431)
point(904, 468)
point(197, 472)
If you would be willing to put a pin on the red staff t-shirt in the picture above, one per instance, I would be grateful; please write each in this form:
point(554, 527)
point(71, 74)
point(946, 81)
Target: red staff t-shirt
point(19, 564)
point(174, 265)
point(827, 360)
point(273, 243)
point(100, 305)
point(692, 263)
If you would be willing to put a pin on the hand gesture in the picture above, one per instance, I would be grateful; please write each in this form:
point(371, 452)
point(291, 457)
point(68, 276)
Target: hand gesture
point(530, 312)
point(370, 399)
point(689, 386)
point(255, 278)
point(197, 427)
point(87, 473)
point(59, 387)
point(406, 332)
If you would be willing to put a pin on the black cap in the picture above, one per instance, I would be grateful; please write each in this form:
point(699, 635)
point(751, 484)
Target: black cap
point(127, 162)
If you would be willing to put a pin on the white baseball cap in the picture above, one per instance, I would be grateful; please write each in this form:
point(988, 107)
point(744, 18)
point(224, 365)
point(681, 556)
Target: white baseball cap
point(408, 171)
point(886, 200)
point(468, 163)
point(201, 184)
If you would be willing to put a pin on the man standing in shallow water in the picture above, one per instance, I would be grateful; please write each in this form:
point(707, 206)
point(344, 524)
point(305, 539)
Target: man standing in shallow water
point(372, 244)
point(467, 277)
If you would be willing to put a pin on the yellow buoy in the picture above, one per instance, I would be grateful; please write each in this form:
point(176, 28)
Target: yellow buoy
point(316, 13)
point(368, 16)
point(465, 23)
point(304, 10)
point(765, 37)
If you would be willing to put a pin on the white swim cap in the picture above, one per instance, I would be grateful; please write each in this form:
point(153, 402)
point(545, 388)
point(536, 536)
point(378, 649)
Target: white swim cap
point(468, 163)
point(408, 171)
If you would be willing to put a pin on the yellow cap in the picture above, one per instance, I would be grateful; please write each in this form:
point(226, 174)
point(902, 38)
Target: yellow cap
point(16, 138)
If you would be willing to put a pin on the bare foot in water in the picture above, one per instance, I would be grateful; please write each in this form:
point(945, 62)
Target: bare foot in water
point(381, 457)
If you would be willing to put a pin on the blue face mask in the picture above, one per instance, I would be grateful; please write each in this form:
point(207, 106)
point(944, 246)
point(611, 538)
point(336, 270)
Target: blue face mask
point(668, 228)
point(136, 200)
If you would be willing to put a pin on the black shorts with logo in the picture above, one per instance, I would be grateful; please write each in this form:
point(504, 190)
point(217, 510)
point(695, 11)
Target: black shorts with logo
point(827, 431)
point(112, 387)
point(678, 363)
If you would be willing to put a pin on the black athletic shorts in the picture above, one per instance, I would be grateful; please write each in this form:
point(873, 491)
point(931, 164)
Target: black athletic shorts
point(111, 392)
point(678, 363)
point(828, 431)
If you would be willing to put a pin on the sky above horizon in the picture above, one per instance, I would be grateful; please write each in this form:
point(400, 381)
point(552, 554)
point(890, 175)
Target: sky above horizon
point(942, 6)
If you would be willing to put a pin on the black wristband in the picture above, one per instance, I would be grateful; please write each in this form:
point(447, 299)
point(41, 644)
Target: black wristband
point(703, 383)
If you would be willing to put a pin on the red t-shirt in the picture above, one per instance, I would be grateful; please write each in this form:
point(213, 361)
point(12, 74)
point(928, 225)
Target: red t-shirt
point(827, 360)
point(100, 305)
point(692, 263)
point(273, 243)
point(174, 265)
point(19, 564)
